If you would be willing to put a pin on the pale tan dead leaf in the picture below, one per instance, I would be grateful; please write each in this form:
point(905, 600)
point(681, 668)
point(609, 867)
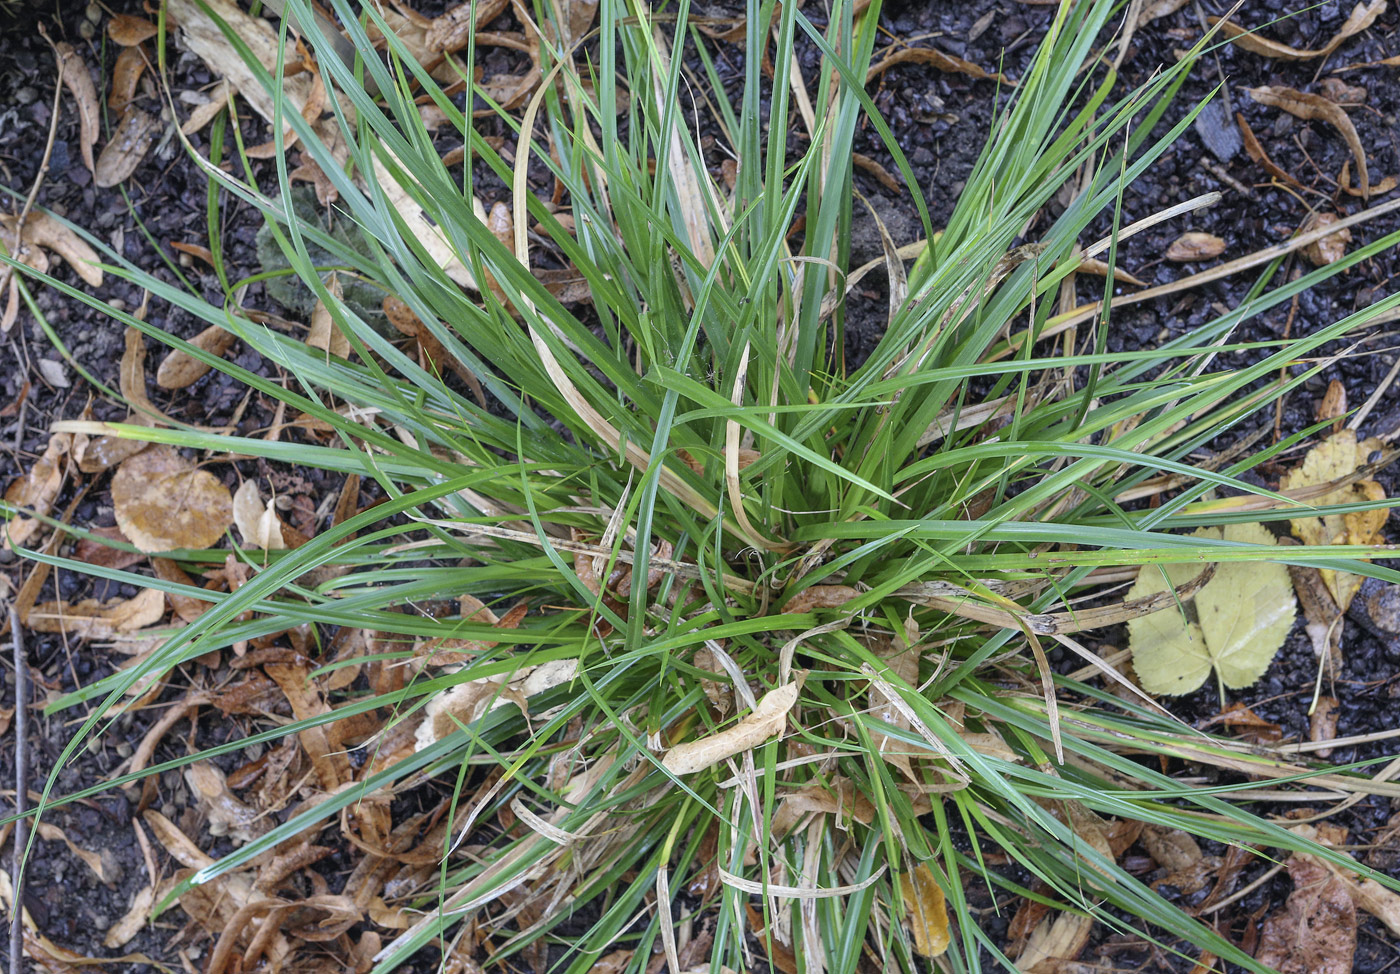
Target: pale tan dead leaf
point(1311, 107)
point(104, 867)
point(467, 702)
point(1344, 182)
point(42, 230)
point(1099, 268)
point(127, 148)
point(1333, 459)
point(35, 490)
point(257, 520)
point(225, 813)
point(1363, 15)
point(1195, 245)
point(133, 921)
point(1330, 248)
point(79, 83)
point(91, 619)
point(1156, 9)
point(129, 30)
point(928, 910)
point(97, 454)
point(767, 720)
point(164, 503)
point(205, 112)
point(180, 369)
point(451, 31)
point(325, 334)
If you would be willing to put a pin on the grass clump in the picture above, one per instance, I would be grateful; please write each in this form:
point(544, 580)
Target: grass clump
point(786, 618)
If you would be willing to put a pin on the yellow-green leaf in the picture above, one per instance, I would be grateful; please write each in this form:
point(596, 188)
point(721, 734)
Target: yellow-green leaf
point(1235, 624)
point(928, 912)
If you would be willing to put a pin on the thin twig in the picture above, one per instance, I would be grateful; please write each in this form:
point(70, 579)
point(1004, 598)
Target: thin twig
point(21, 790)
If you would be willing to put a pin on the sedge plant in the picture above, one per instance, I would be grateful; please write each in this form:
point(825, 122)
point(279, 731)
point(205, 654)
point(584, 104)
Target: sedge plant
point(709, 515)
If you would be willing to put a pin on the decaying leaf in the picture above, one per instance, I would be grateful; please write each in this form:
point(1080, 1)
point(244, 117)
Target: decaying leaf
point(163, 502)
point(91, 619)
point(42, 230)
point(1333, 459)
point(129, 30)
point(128, 147)
point(1333, 404)
point(1315, 932)
point(126, 75)
point(928, 911)
point(79, 84)
point(1243, 615)
point(1195, 245)
point(257, 520)
point(1363, 15)
point(1330, 248)
point(96, 454)
point(325, 334)
point(768, 720)
point(134, 920)
point(226, 814)
point(180, 369)
point(35, 490)
point(936, 59)
point(467, 702)
point(1312, 107)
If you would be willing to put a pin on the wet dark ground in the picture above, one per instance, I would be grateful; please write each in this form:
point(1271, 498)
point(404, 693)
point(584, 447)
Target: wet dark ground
point(941, 120)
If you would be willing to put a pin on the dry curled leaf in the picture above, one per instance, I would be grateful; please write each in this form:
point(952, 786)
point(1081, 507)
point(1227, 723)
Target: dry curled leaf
point(257, 520)
point(127, 148)
point(1330, 248)
point(928, 910)
point(767, 720)
point(1195, 245)
point(91, 619)
point(225, 813)
point(1310, 107)
point(1242, 616)
point(468, 702)
point(1315, 932)
point(1336, 458)
point(164, 503)
point(133, 922)
point(42, 230)
point(180, 369)
point(35, 490)
point(1363, 15)
point(79, 84)
point(325, 334)
point(934, 58)
point(126, 75)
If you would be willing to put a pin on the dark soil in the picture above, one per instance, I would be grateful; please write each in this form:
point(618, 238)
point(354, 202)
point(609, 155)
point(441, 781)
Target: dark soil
point(941, 120)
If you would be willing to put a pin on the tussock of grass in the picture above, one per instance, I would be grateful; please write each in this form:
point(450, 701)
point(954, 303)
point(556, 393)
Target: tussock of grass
point(874, 542)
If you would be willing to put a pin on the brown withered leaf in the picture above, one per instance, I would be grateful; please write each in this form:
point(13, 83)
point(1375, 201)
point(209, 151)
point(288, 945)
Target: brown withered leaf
point(163, 502)
point(180, 369)
point(1333, 404)
point(451, 31)
point(1363, 15)
point(129, 30)
point(1195, 245)
point(936, 59)
point(1330, 248)
point(1315, 932)
point(42, 230)
point(767, 720)
point(133, 922)
point(127, 148)
point(1336, 90)
point(467, 702)
point(1323, 723)
point(126, 75)
point(103, 864)
point(225, 813)
point(1310, 107)
point(91, 619)
point(1099, 268)
point(186, 607)
point(1344, 182)
point(91, 551)
point(97, 454)
point(1258, 153)
point(35, 490)
point(79, 84)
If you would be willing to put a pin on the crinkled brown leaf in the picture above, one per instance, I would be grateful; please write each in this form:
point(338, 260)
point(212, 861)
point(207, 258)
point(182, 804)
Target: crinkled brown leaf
point(1330, 248)
point(1363, 15)
point(180, 369)
point(1315, 932)
point(1195, 245)
point(127, 148)
point(164, 503)
point(937, 59)
point(1312, 107)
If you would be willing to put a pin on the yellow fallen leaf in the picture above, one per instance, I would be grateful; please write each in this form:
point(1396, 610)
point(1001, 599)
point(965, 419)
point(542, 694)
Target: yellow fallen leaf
point(1242, 616)
point(163, 502)
point(1333, 459)
point(768, 719)
point(928, 911)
